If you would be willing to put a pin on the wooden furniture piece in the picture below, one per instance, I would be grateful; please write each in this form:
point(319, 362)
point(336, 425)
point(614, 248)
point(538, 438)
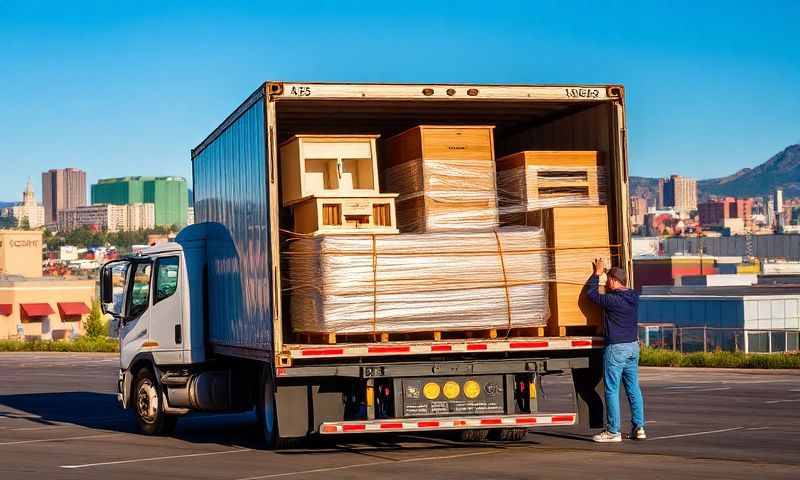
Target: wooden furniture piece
point(531, 180)
point(444, 175)
point(330, 213)
point(576, 236)
point(317, 164)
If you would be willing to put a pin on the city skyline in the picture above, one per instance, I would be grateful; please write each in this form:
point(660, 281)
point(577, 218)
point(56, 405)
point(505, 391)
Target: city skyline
point(104, 112)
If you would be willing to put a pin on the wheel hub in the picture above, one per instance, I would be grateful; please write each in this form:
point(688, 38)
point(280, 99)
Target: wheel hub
point(147, 401)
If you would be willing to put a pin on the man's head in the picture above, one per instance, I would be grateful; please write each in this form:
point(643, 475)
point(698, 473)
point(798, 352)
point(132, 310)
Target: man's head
point(615, 279)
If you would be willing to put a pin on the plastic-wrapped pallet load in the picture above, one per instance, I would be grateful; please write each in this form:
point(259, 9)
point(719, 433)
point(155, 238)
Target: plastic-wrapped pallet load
point(445, 281)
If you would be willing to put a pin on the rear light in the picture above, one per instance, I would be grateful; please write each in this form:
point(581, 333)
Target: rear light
point(354, 428)
point(329, 429)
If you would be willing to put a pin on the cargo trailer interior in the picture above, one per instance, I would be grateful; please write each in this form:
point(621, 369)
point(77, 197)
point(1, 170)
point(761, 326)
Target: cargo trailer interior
point(524, 118)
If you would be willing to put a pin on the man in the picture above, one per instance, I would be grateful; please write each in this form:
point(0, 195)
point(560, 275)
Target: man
point(621, 356)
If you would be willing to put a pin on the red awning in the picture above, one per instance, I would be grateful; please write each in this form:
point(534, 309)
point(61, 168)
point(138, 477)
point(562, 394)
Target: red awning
point(5, 309)
point(71, 309)
point(36, 309)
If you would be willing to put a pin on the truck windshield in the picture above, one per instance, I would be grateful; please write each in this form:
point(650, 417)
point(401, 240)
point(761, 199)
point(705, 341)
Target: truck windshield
point(140, 293)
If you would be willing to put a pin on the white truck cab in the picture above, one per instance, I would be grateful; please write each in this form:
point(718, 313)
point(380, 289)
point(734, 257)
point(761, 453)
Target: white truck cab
point(150, 297)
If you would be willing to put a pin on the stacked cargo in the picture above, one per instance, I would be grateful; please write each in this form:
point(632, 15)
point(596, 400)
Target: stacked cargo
point(452, 268)
point(563, 192)
point(331, 184)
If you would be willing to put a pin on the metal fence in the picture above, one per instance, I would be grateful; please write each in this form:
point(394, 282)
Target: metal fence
point(709, 339)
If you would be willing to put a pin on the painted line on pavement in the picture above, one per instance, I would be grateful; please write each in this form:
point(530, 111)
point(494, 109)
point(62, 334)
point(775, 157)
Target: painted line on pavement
point(20, 442)
point(709, 432)
point(700, 390)
point(370, 464)
point(773, 402)
point(155, 459)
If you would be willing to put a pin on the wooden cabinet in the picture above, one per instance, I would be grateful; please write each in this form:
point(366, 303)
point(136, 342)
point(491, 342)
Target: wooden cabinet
point(576, 236)
point(531, 180)
point(344, 165)
point(444, 175)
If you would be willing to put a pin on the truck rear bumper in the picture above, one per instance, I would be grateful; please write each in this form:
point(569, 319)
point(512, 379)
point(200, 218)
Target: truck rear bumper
point(449, 423)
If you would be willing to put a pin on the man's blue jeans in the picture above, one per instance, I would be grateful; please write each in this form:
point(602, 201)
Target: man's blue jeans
point(621, 362)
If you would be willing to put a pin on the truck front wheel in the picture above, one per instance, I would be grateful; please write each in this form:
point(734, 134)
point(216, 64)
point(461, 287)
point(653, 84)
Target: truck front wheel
point(148, 407)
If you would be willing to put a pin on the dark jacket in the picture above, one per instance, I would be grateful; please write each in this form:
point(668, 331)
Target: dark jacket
point(620, 312)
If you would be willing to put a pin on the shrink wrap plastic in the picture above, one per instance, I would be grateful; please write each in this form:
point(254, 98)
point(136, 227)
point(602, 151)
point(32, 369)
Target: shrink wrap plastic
point(444, 195)
point(528, 188)
point(418, 282)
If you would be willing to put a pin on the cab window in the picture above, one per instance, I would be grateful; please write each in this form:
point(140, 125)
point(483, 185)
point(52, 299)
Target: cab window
point(166, 278)
point(140, 290)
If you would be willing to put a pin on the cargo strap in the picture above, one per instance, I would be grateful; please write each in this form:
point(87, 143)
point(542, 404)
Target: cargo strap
point(505, 277)
point(374, 285)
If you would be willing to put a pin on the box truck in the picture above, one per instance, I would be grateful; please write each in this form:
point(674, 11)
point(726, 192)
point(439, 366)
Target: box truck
point(203, 323)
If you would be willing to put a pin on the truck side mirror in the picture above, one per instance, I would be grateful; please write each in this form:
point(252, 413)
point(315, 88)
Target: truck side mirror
point(106, 288)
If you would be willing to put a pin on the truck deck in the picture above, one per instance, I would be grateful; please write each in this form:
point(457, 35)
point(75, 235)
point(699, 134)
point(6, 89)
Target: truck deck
point(296, 352)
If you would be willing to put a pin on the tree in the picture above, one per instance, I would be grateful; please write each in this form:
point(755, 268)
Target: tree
point(94, 325)
point(24, 224)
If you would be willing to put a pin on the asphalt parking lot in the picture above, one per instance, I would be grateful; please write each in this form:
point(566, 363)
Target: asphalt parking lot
point(59, 419)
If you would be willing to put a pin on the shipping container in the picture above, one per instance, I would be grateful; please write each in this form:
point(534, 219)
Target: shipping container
point(236, 168)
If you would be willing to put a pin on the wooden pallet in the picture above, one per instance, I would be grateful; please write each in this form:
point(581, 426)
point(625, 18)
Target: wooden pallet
point(332, 338)
point(575, 331)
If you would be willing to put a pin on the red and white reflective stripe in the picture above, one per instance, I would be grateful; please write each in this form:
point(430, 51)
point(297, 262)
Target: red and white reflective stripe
point(457, 423)
point(445, 346)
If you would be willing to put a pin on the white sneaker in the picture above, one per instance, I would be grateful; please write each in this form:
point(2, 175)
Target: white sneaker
point(607, 437)
point(638, 434)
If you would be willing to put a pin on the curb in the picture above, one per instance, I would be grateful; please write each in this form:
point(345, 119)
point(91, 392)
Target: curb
point(743, 371)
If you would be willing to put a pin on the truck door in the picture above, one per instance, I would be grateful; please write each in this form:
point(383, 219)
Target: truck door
point(134, 335)
point(166, 313)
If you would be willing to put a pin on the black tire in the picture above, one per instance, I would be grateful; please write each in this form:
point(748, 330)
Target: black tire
point(147, 405)
point(509, 434)
point(474, 435)
point(267, 414)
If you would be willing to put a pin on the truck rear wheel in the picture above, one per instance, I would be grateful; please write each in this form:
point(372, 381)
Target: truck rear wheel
point(148, 407)
point(509, 434)
point(267, 414)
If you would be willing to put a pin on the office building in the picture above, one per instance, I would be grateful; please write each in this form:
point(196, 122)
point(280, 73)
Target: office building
point(62, 189)
point(112, 218)
point(719, 213)
point(28, 210)
point(168, 195)
point(778, 209)
point(679, 193)
point(638, 210)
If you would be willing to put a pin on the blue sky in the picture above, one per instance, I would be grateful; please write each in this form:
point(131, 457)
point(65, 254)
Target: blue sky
point(122, 88)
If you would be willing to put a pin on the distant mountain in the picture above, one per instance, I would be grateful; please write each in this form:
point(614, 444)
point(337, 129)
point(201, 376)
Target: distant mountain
point(782, 170)
point(7, 204)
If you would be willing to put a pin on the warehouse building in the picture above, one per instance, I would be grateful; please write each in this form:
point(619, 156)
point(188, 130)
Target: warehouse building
point(752, 318)
point(169, 195)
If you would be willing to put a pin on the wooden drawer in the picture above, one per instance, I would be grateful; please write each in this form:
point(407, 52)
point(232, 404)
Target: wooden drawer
point(345, 215)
